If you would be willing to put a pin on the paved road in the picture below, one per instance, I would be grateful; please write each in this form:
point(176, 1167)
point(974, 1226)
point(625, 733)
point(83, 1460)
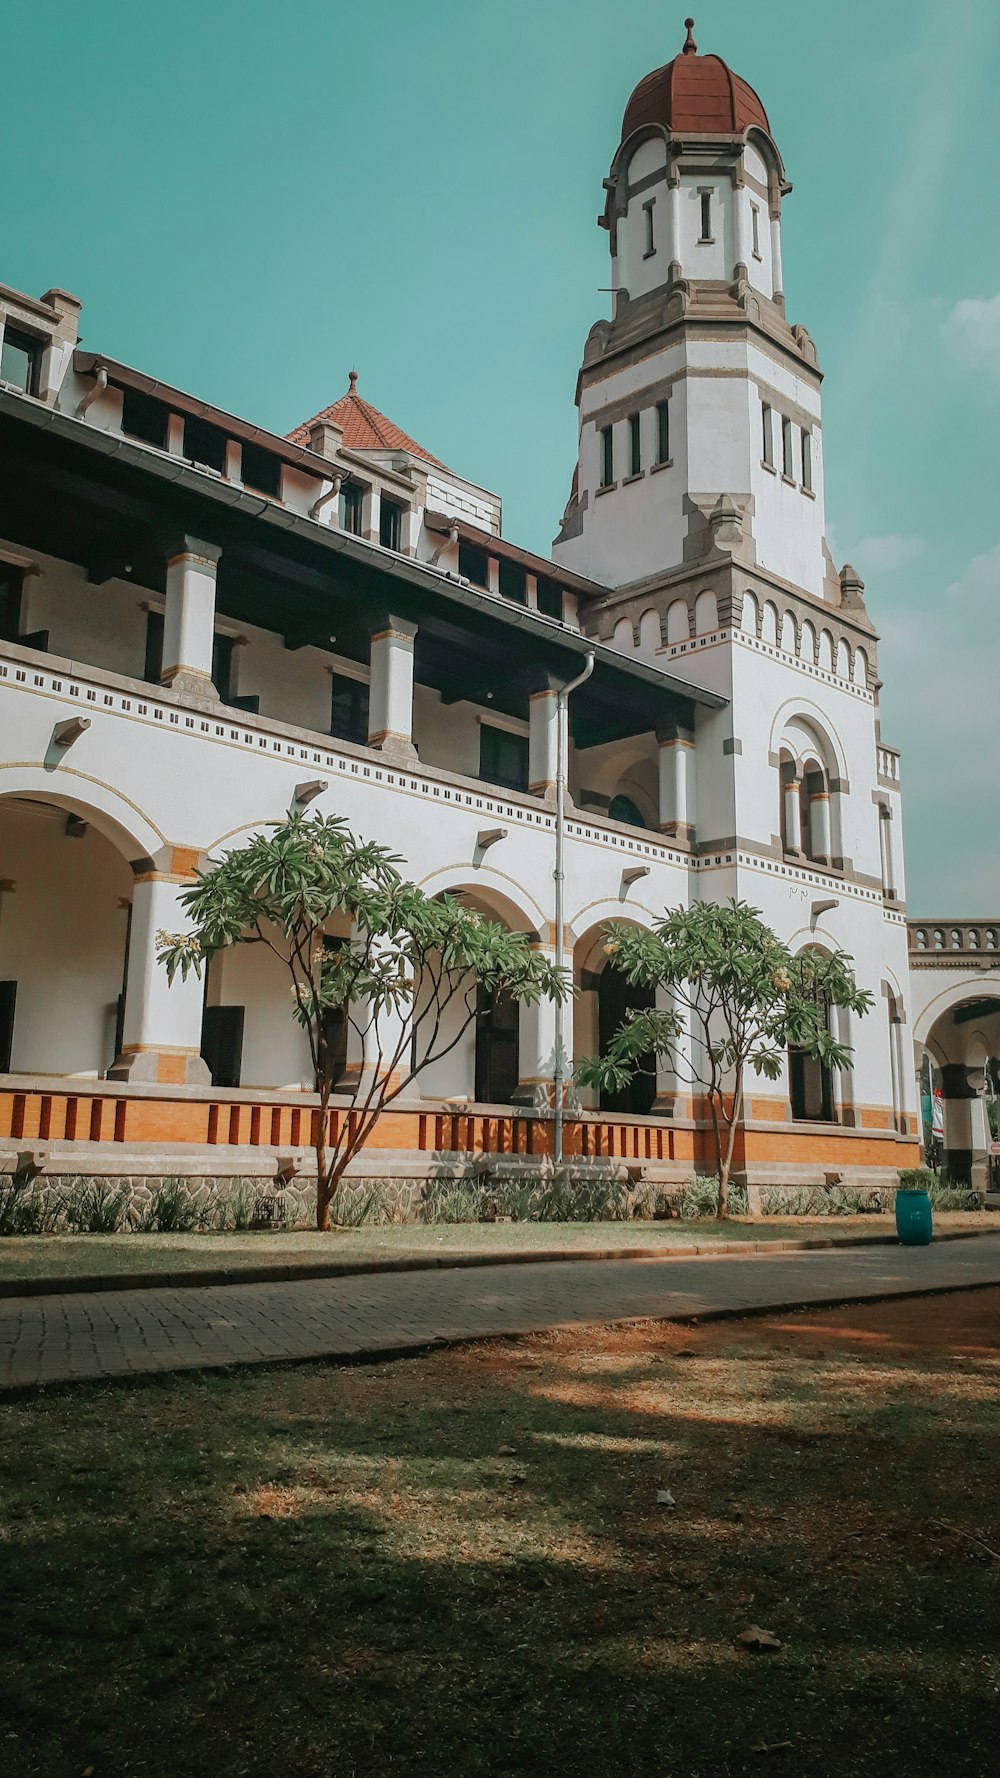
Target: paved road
point(129, 1332)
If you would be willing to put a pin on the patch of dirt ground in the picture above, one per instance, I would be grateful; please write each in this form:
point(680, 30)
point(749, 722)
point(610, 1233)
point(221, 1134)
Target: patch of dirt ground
point(464, 1563)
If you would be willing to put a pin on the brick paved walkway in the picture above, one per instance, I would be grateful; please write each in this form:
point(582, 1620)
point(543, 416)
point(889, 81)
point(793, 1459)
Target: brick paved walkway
point(125, 1333)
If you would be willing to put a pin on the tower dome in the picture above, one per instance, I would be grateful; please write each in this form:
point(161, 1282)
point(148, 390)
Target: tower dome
point(694, 95)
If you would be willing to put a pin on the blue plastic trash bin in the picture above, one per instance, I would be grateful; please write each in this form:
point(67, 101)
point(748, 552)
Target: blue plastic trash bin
point(914, 1223)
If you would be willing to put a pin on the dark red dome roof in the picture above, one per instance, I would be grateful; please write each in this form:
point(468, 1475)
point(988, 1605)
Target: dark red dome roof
point(694, 95)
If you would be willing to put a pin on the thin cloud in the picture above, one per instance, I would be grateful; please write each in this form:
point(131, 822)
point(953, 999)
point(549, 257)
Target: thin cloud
point(940, 683)
point(884, 555)
point(972, 330)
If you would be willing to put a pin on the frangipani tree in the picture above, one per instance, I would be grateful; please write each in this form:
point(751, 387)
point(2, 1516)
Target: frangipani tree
point(405, 980)
point(743, 996)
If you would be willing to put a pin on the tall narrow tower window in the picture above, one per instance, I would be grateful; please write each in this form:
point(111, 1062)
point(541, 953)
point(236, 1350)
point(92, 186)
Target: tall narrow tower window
point(787, 454)
point(706, 215)
point(755, 220)
point(663, 432)
point(607, 456)
point(635, 446)
point(650, 243)
point(767, 434)
point(807, 459)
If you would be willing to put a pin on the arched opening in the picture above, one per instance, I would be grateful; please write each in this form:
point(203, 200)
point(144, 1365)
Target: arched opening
point(815, 807)
point(616, 998)
point(481, 1061)
point(497, 1054)
point(808, 789)
point(65, 897)
point(810, 1079)
point(960, 1078)
point(625, 808)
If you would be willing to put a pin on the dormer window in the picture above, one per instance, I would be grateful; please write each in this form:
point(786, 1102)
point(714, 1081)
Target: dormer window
point(706, 214)
point(390, 523)
point(473, 563)
point(549, 597)
point(205, 445)
point(512, 582)
point(351, 508)
point(21, 360)
point(261, 471)
point(650, 243)
point(144, 418)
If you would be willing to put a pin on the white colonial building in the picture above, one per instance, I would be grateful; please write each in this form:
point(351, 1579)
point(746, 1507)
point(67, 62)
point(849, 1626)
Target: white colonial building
point(204, 625)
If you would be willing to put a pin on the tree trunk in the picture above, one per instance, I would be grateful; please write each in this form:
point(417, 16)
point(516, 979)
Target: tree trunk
point(726, 1160)
point(323, 1188)
point(721, 1167)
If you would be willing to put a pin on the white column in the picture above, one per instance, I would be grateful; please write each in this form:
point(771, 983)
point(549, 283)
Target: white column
point(885, 838)
point(189, 616)
point(536, 1046)
point(385, 1050)
point(390, 705)
point(676, 748)
point(543, 739)
point(793, 815)
point(777, 286)
point(161, 1031)
point(742, 256)
point(674, 226)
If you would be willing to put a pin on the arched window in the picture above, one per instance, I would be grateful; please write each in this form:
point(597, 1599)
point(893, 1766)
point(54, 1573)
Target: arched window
point(790, 810)
point(496, 1047)
point(810, 795)
point(678, 622)
point(622, 808)
point(815, 798)
point(810, 1082)
point(616, 997)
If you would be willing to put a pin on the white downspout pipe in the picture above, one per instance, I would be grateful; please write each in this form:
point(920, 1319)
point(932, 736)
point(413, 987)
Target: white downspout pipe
point(319, 506)
point(97, 388)
point(558, 1073)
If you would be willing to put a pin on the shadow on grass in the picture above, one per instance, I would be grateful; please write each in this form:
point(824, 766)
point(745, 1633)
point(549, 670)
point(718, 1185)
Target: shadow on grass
point(458, 1565)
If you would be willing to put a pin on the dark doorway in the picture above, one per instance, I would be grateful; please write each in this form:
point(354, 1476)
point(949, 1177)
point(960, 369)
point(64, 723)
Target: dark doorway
point(8, 995)
point(222, 1044)
point(496, 1047)
point(615, 998)
point(810, 1085)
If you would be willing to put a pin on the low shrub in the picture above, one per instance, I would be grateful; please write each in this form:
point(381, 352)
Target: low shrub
point(358, 1203)
point(700, 1197)
point(172, 1210)
point(95, 1206)
point(27, 1208)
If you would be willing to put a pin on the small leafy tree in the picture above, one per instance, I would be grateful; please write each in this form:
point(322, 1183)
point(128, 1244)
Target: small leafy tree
point(746, 998)
point(405, 980)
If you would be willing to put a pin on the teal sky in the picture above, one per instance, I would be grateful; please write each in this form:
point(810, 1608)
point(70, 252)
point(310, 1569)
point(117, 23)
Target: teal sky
point(252, 196)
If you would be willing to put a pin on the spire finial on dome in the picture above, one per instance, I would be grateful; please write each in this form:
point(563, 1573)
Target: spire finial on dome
point(352, 377)
point(690, 46)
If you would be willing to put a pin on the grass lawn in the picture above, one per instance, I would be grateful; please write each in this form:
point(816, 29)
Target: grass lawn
point(457, 1564)
point(69, 1256)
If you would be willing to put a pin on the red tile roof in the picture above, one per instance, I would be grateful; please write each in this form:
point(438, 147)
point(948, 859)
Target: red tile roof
point(364, 428)
point(696, 95)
